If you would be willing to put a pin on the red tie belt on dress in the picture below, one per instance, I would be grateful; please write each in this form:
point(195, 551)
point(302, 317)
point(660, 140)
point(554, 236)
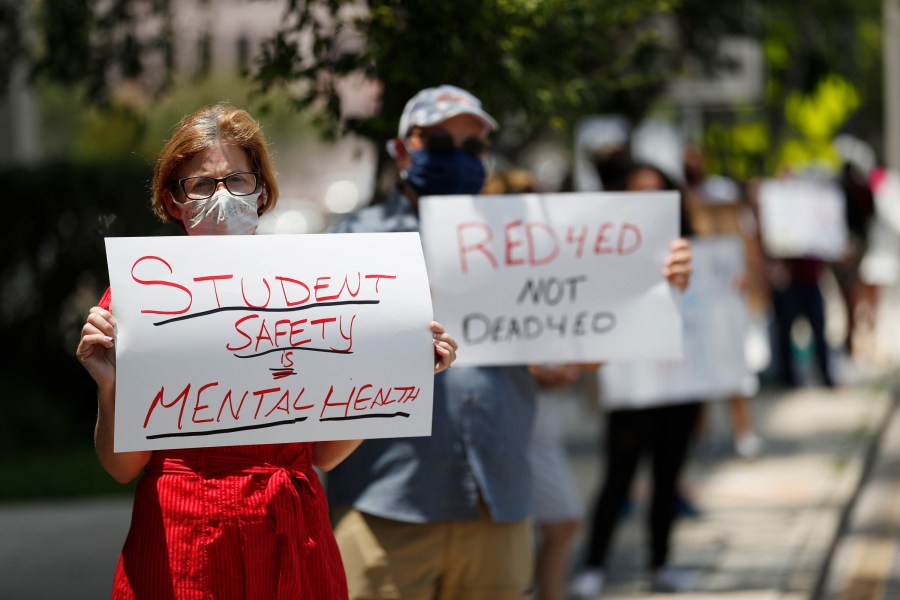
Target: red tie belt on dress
point(284, 507)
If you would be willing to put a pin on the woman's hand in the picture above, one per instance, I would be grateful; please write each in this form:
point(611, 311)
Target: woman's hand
point(97, 352)
point(96, 349)
point(677, 269)
point(444, 348)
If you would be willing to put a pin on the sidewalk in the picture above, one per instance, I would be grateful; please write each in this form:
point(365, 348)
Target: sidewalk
point(866, 561)
point(768, 526)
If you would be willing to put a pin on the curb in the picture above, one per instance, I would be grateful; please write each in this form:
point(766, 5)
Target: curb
point(819, 591)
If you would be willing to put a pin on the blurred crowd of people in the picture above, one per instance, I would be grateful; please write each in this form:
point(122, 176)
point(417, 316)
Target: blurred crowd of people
point(778, 292)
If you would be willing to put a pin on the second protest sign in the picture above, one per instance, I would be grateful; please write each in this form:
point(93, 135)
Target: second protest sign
point(524, 279)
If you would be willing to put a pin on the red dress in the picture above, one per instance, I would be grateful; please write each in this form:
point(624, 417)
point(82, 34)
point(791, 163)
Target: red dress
point(229, 523)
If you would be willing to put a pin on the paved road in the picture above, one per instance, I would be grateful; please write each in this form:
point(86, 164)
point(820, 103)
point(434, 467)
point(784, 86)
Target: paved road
point(61, 550)
point(866, 561)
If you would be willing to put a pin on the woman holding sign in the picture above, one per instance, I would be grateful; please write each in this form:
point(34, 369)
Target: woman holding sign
point(660, 430)
point(223, 522)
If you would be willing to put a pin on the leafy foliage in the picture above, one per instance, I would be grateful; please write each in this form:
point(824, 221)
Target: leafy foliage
point(548, 62)
point(824, 69)
point(54, 270)
point(87, 42)
point(537, 63)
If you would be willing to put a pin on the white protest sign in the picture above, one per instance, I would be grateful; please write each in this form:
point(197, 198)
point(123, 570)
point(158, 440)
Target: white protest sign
point(715, 327)
point(232, 340)
point(532, 278)
point(802, 218)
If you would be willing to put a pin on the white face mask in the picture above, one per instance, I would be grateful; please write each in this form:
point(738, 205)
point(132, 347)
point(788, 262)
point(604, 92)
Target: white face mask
point(222, 214)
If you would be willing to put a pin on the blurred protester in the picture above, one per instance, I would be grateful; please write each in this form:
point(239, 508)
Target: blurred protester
point(794, 285)
point(229, 522)
point(664, 433)
point(795, 292)
point(715, 207)
point(860, 205)
point(445, 516)
point(880, 267)
point(556, 504)
point(612, 164)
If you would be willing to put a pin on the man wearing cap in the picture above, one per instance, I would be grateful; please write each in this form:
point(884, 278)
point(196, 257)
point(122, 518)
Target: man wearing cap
point(447, 515)
point(444, 516)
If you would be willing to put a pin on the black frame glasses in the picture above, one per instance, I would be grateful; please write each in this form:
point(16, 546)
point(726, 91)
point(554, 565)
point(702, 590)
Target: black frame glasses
point(438, 140)
point(215, 184)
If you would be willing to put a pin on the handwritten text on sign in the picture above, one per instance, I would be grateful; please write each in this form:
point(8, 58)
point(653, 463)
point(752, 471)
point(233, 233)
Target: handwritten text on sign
point(553, 277)
point(715, 327)
point(231, 340)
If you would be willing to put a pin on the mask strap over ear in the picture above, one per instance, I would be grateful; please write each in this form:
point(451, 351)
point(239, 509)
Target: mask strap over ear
point(264, 196)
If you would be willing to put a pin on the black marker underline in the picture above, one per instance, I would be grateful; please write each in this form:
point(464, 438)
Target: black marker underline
point(273, 424)
point(254, 309)
point(228, 430)
point(292, 348)
point(375, 416)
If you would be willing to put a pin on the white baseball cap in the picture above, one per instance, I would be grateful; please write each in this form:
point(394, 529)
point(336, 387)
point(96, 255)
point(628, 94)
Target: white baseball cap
point(437, 104)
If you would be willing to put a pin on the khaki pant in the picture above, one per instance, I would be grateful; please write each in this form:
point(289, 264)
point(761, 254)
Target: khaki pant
point(443, 560)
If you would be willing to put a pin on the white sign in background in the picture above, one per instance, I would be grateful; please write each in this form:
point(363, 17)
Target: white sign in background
point(803, 218)
point(715, 326)
point(232, 340)
point(532, 278)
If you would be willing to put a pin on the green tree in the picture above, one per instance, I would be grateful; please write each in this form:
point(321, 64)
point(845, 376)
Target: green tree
point(538, 63)
point(824, 76)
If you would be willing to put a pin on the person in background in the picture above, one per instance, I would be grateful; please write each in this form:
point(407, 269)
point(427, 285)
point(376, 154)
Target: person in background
point(224, 522)
point(879, 270)
point(556, 502)
point(860, 210)
point(715, 207)
point(794, 292)
point(558, 509)
point(664, 432)
point(446, 516)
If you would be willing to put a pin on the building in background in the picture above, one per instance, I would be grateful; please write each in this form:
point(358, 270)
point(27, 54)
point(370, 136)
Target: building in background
point(318, 179)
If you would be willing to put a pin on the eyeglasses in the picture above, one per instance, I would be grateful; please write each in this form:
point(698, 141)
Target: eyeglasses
point(438, 140)
point(201, 188)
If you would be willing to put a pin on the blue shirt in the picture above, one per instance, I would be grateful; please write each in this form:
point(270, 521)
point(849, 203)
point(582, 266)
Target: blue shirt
point(480, 430)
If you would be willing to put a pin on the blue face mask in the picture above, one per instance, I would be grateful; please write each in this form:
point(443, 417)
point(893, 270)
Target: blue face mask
point(445, 172)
